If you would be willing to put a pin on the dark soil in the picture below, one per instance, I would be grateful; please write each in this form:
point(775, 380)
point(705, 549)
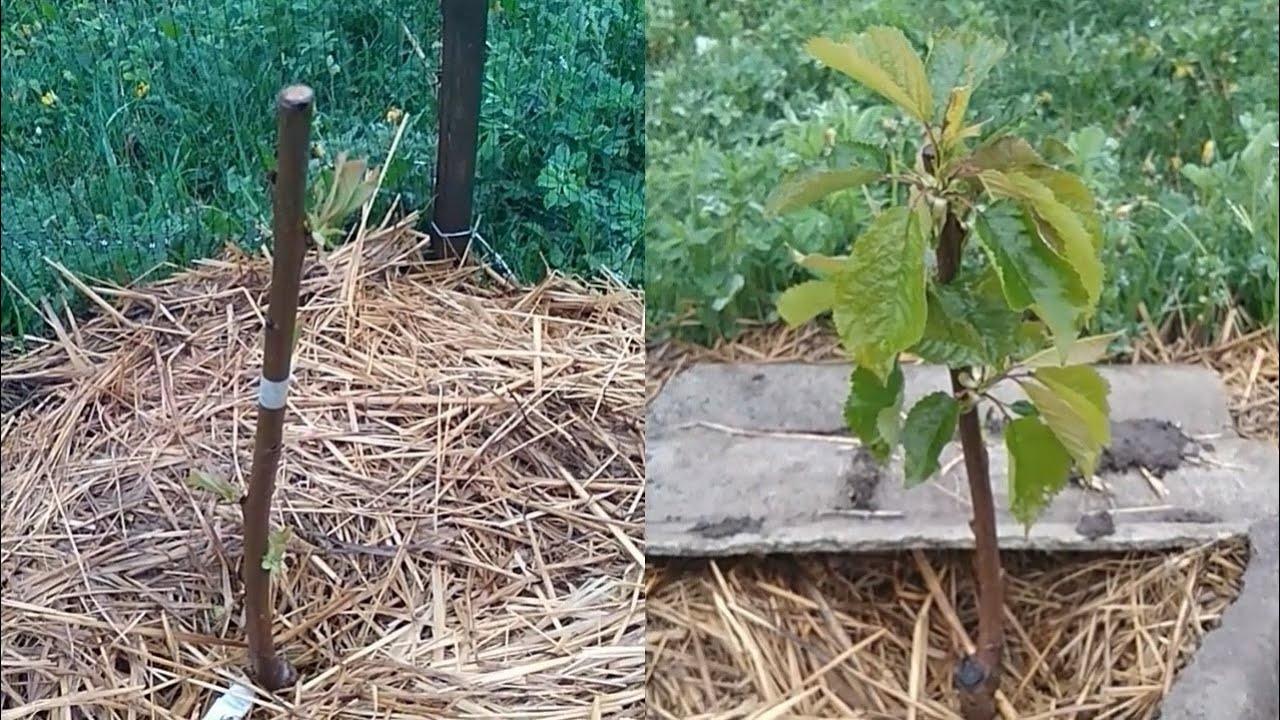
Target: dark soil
point(727, 527)
point(1157, 445)
point(861, 478)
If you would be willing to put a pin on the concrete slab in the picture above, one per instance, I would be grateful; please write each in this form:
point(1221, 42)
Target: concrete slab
point(749, 459)
point(809, 398)
point(1235, 674)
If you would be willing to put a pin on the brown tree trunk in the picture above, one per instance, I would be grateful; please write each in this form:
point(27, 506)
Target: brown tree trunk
point(294, 126)
point(977, 676)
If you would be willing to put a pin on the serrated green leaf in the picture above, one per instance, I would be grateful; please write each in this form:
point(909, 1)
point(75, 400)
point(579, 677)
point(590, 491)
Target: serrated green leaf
point(948, 340)
point(277, 542)
point(824, 266)
point(808, 187)
point(930, 425)
point(801, 303)
point(872, 409)
point(1073, 402)
point(1003, 153)
point(959, 58)
point(1031, 273)
point(969, 323)
point(1038, 467)
point(881, 59)
point(953, 118)
point(880, 295)
point(216, 484)
point(1082, 351)
point(1070, 190)
point(1065, 229)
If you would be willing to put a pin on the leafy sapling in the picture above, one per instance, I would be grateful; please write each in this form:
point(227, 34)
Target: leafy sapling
point(990, 266)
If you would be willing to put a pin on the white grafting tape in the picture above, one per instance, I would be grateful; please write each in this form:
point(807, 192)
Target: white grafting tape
point(234, 704)
point(272, 393)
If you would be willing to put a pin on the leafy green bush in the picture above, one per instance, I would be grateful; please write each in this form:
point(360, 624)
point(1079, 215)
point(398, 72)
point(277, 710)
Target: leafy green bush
point(135, 134)
point(1130, 85)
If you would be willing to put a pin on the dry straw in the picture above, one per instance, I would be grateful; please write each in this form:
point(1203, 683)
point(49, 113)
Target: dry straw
point(1091, 637)
point(462, 473)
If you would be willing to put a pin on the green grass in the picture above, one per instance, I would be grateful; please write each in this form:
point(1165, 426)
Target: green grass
point(1134, 87)
point(137, 132)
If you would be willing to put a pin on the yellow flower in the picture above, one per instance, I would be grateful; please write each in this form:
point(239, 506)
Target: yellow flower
point(394, 115)
point(1175, 162)
point(1183, 69)
point(1206, 152)
point(1044, 97)
point(49, 98)
point(141, 89)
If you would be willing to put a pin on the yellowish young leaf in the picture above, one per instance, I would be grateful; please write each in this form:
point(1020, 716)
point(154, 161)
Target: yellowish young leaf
point(213, 483)
point(808, 187)
point(1073, 402)
point(277, 542)
point(1083, 351)
point(881, 59)
point(801, 303)
point(824, 266)
point(953, 122)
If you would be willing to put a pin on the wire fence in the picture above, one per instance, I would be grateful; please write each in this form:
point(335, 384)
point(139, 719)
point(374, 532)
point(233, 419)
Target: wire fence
point(137, 134)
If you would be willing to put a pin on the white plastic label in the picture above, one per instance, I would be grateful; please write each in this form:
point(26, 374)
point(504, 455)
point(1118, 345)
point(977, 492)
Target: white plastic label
point(234, 704)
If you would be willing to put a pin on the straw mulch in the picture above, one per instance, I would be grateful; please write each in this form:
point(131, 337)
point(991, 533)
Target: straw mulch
point(1089, 636)
point(462, 475)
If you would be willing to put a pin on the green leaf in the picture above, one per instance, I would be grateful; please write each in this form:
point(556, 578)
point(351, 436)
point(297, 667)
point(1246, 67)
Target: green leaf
point(1073, 239)
point(953, 119)
point(948, 340)
point(880, 295)
point(169, 28)
point(872, 409)
point(1005, 152)
point(277, 541)
point(1070, 190)
point(1031, 273)
point(883, 61)
point(1082, 351)
point(801, 303)
point(930, 425)
point(1073, 401)
point(216, 484)
point(959, 58)
point(1023, 408)
point(808, 187)
point(824, 266)
point(1058, 152)
point(1038, 467)
point(969, 323)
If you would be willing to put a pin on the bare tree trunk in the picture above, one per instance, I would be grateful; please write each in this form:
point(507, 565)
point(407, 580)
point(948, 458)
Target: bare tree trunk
point(294, 126)
point(977, 677)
